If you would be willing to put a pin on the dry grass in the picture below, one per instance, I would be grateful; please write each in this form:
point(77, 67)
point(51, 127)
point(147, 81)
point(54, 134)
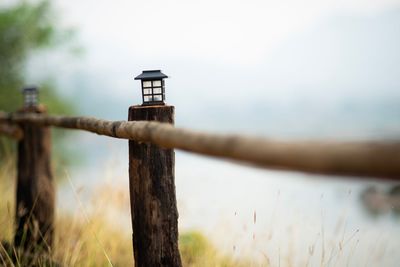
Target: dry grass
point(91, 238)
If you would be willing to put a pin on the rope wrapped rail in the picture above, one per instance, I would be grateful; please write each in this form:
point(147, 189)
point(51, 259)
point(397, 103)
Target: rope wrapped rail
point(373, 159)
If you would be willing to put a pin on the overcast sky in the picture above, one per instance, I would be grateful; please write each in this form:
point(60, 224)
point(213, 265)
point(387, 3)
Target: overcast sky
point(256, 61)
point(222, 32)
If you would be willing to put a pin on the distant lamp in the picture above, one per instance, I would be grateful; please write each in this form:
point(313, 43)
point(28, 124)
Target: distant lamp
point(30, 96)
point(153, 90)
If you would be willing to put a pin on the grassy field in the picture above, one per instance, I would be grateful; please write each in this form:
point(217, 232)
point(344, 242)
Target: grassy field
point(90, 238)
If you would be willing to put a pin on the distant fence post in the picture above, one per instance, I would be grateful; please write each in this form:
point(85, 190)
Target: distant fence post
point(35, 190)
point(152, 192)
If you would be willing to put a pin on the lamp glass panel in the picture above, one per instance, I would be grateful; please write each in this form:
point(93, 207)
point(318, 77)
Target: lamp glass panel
point(147, 91)
point(157, 98)
point(147, 98)
point(157, 90)
point(156, 83)
point(146, 83)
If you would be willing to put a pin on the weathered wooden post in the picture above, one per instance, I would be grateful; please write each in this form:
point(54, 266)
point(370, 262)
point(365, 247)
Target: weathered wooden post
point(35, 190)
point(152, 183)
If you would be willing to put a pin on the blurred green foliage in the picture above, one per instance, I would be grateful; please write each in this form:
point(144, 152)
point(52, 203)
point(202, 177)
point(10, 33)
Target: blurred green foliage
point(197, 251)
point(26, 28)
point(194, 245)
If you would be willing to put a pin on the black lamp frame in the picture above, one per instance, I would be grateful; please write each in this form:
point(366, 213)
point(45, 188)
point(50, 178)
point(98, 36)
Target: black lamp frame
point(148, 97)
point(31, 96)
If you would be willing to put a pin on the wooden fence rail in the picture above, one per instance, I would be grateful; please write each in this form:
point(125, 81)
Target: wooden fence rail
point(373, 159)
point(152, 138)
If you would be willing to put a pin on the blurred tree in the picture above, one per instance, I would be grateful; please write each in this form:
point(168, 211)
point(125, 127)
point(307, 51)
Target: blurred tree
point(25, 28)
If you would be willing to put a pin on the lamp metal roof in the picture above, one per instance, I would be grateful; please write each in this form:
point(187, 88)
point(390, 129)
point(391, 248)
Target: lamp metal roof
point(151, 75)
point(30, 89)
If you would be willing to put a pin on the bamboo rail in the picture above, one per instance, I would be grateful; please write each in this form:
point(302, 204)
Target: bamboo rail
point(372, 159)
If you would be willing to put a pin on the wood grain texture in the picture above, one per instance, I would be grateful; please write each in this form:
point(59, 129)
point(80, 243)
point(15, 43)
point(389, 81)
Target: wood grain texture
point(152, 192)
point(377, 159)
point(35, 198)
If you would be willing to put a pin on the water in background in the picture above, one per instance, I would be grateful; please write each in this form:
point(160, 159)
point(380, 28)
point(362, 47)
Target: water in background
point(278, 217)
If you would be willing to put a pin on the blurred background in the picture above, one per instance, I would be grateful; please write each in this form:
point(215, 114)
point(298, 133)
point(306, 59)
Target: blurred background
point(280, 69)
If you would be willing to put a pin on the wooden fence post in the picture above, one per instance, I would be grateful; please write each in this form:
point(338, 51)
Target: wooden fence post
point(152, 195)
point(35, 190)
